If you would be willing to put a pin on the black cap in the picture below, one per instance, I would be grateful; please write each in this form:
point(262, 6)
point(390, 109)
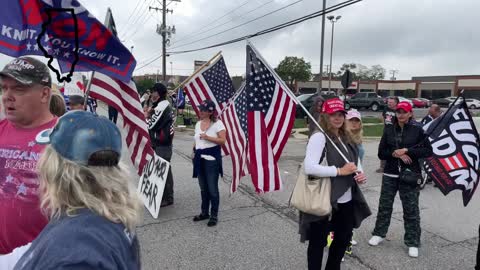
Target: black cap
point(160, 89)
point(207, 106)
point(27, 70)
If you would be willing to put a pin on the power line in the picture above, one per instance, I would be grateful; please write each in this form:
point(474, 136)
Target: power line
point(240, 25)
point(135, 32)
point(141, 15)
point(189, 35)
point(136, 6)
point(134, 16)
point(278, 27)
point(268, 30)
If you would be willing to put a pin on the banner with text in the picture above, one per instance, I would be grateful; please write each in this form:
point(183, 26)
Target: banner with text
point(152, 183)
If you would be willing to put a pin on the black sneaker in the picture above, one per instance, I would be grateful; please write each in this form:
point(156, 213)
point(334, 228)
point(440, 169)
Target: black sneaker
point(212, 222)
point(201, 217)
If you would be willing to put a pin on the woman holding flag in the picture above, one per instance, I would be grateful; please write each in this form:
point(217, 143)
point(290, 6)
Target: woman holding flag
point(348, 204)
point(402, 144)
point(210, 135)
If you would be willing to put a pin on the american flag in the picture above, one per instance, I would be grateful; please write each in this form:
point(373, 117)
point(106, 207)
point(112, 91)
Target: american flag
point(267, 113)
point(124, 97)
point(213, 83)
point(236, 137)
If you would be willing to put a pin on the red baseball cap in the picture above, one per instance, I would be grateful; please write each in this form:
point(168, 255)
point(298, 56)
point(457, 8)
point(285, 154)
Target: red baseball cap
point(407, 107)
point(333, 105)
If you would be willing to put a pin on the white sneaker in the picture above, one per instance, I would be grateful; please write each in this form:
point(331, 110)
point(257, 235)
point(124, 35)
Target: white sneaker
point(353, 242)
point(375, 240)
point(413, 252)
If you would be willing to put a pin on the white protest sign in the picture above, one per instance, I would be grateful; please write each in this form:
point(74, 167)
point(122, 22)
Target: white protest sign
point(75, 87)
point(152, 183)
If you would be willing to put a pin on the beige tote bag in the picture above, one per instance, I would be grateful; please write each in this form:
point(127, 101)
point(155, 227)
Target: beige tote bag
point(312, 196)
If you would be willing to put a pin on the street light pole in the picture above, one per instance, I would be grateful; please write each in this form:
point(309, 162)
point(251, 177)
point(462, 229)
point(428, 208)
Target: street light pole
point(333, 20)
point(171, 68)
point(321, 48)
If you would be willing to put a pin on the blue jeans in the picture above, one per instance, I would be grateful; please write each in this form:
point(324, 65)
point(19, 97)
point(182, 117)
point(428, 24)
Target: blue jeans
point(208, 181)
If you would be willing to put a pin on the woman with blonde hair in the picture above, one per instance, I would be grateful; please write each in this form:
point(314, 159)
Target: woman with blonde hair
point(349, 207)
point(93, 210)
point(355, 128)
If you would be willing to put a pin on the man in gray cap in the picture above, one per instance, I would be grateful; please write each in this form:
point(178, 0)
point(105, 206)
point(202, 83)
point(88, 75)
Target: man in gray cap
point(26, 87)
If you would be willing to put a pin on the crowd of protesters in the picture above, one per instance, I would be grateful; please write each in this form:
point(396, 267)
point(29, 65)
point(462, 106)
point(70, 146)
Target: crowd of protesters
point(62, 179)
point(402, 145)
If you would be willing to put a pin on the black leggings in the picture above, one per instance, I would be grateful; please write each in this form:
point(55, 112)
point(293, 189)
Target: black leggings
point(342, 226)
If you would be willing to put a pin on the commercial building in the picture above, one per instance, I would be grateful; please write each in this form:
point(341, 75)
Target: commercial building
point(431, 87)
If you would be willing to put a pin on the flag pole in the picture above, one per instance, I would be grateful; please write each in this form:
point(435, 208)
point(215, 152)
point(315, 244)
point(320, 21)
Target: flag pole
point(199, 69)
point(176, 105)
point(235, 96)
point(87, 92)
point(289, 92)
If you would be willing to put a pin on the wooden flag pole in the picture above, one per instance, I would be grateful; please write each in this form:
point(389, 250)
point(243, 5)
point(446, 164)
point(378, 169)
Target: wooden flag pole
point(289, 92)
point(198, 70)
point(87, 92)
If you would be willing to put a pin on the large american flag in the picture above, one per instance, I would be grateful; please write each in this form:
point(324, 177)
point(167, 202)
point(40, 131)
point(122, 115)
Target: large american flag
point(233, 118)
point(214, 83)
point(267, 113)
point(124, 97)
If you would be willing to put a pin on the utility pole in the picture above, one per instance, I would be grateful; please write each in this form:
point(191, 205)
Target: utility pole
point(333, 20)
point(393, 74)
point(321, 48)
point(166, 33)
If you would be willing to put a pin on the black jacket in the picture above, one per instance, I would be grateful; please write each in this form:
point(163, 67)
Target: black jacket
point(412, 138)
point(160, 126)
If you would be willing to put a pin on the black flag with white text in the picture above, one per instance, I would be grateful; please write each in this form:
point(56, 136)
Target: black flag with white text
point(455, 160)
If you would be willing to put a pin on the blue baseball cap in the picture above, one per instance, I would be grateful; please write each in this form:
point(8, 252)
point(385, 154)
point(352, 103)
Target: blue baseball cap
point(79, 134)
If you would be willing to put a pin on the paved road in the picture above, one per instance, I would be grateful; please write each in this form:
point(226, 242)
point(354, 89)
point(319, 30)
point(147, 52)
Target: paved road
point(260, 231)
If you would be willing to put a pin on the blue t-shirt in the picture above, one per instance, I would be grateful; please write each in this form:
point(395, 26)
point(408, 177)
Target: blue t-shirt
point(86, 241)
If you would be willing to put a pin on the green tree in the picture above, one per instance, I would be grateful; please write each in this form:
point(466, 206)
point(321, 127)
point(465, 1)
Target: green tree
point(376, 72)
point(144, 84)
point(409, 93)
point(293, 69)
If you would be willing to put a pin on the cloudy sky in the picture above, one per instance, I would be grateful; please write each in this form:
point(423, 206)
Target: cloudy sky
point(415, 37)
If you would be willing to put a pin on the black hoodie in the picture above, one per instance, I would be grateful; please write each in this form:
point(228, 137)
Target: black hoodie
point(410, 137)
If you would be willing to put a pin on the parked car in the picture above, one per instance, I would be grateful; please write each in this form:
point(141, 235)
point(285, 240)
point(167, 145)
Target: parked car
point(307, 101)
point(419, 103)
point(473, 103)
point(444, 102)
point(365, 100)
point(400, 99)
point(304, 97)
point(428, 101)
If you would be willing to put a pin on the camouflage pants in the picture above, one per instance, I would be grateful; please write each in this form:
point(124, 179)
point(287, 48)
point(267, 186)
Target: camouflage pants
point(411, 213)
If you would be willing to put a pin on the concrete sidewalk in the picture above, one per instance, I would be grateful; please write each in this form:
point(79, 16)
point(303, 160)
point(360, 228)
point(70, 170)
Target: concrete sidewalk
point(260, 231)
